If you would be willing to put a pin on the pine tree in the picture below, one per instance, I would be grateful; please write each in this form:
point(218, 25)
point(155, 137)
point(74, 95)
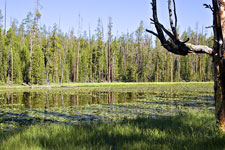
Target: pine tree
point(14, 62)
point(97, 55)
point(53, 55)
point(38, 70)
point(139, 53)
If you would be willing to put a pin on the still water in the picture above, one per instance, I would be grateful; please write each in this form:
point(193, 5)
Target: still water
point(82, 104)
point(183, 95)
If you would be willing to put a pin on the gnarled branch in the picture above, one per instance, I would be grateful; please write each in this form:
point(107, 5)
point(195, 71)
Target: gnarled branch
point(173, 27)
point(208, 6)
point(173, 43)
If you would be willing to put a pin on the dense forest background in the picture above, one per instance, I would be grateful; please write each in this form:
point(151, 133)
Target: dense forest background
point(34, 54)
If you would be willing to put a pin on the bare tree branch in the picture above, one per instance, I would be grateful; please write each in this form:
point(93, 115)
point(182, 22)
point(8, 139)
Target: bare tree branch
point(186, 41)
point(155, 34)
point(165, 30)
point(171, 18)
point(208, 6)
point(173, 44)
point(212, 26)
point(200, 48)
point(175, 13)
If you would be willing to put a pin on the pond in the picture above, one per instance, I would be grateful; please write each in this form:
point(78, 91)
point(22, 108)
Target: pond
point(74, 105)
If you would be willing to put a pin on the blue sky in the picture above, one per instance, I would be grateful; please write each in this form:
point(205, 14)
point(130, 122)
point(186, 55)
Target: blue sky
point(126, 14)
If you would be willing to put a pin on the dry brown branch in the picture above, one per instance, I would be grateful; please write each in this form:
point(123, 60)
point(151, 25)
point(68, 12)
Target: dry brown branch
point(208, 6)
point(173, 43)
point(173, 27)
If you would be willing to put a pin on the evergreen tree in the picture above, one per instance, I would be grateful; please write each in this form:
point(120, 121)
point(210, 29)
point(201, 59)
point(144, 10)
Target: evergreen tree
point(38, 69)
point(30, 53)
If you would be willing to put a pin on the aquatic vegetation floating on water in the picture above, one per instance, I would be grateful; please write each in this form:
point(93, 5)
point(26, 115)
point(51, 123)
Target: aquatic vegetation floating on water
point(87, 104)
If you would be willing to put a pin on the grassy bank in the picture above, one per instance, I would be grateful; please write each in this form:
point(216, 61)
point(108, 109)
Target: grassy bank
point(187, 131)
point(103, 84)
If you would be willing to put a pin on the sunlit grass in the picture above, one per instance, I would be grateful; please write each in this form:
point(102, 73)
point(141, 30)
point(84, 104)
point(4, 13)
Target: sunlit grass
point(16, 86)
point(184, 131)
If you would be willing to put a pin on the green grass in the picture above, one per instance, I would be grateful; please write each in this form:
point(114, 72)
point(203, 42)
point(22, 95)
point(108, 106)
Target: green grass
point(184, 131)
point(103, 84)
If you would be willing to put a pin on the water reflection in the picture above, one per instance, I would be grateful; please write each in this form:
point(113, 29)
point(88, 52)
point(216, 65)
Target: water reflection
point(62, 98)
point(70, 97)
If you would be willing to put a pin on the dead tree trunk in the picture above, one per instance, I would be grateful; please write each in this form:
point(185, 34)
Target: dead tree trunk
point(176, 46)
point(78, 51)
point(109, 73)
point(218, 60)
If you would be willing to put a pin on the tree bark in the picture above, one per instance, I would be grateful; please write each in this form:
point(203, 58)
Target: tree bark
point(218, 60)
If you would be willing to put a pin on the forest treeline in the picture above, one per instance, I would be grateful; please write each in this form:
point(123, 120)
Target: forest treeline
point(30, 53)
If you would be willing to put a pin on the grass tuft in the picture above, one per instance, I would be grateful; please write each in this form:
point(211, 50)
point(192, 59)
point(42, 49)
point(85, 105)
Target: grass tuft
point(186, 131)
